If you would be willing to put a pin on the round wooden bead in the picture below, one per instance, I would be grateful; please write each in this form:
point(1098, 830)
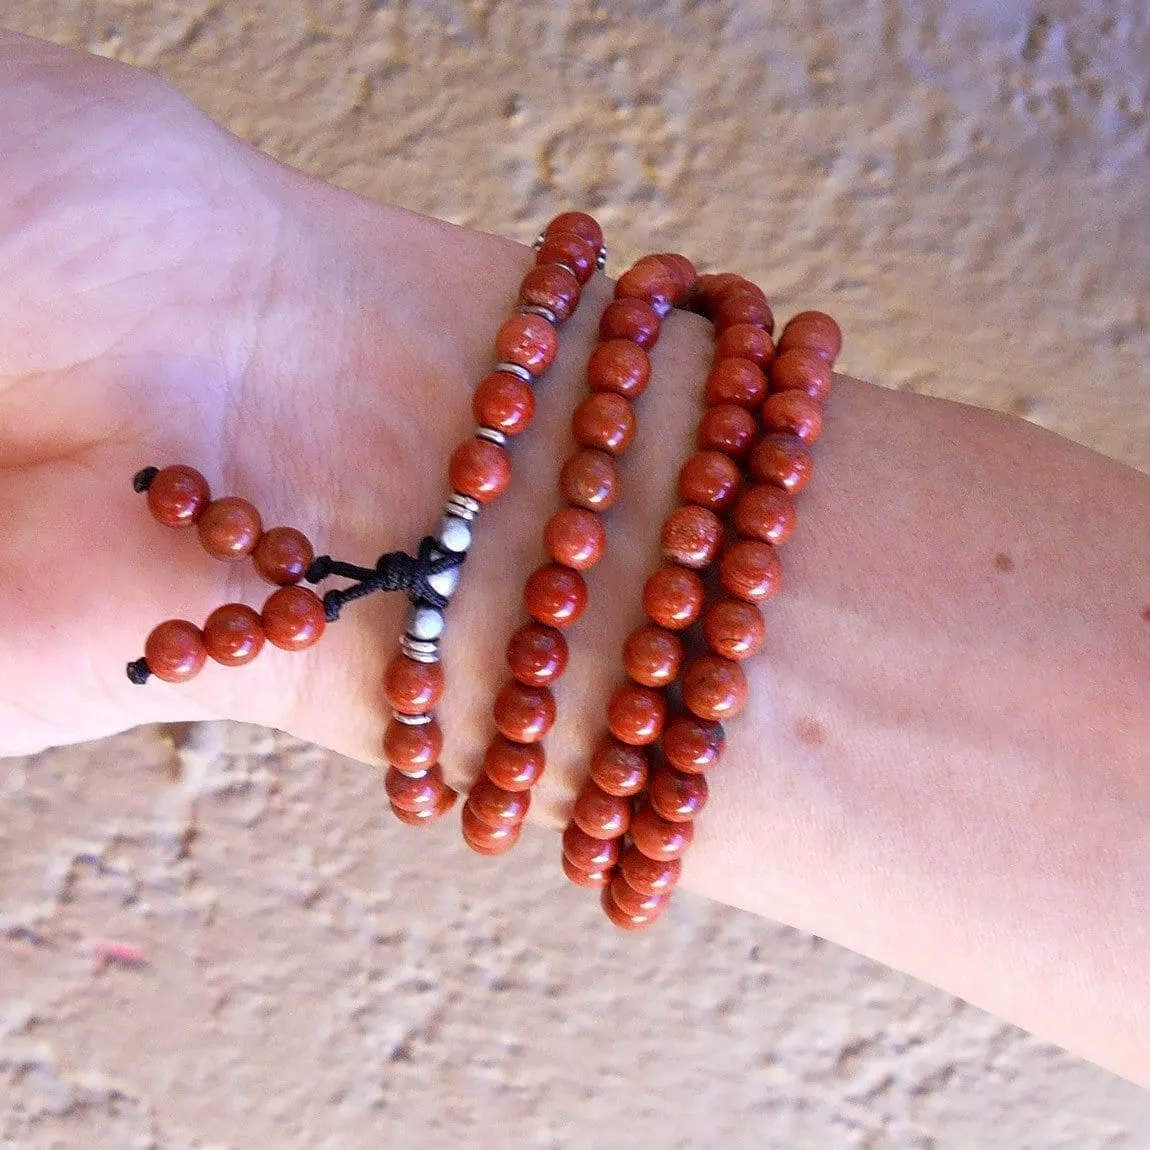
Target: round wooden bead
point(783, 460)
point(711, 287)
point(692, 744)
point(412, 749)
point(529, 341)
point(492, 805)
point(802, 370)
point(427, 815)
point(691, 536)
point(233, 634)
point(618, 768)
point(555, 595)
point(659, 838)
point(746, 341)
point(624, 920)
point(412, 688)
point(293, 618)
point(523, 714)
point(738, 381)
point(229, 528)
point(513, 766)
point(673, 597)
point(504, 402)
point(552, 287)
point(733, 628)
point(587, 853)
point(794, 412)
point(636, 714)
point(651, 281)
point(750, 570)
point(604, 421)
point(537, 655)
point(742, 306)
point(631, 319)
point(765, 512)
point(572, 250)
point(676, 795)
point(178, 495)
point(710, 479)
point(283, 555)
point(633, 903)
point(414, 793)
point(575, 537)
point(600, 815)
point(714, 688)
point(175, 651)
point(579, 223)
point(487, 840)
point(590, 479)
point(684, 274)
point(727, 428)
point(591, 879)
point(813, 331)
point(649, 876)
point(621, 366)
point(653, 656)
point(480, 469)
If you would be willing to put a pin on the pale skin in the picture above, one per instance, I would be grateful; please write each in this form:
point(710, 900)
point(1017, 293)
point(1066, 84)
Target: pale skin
point(944, 764)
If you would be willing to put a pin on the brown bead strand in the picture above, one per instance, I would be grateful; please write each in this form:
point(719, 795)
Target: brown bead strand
point(568, 252)
point(555, 595)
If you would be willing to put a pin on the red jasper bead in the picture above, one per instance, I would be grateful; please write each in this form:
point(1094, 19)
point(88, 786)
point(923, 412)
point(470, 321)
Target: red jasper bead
point(414, 793)
point(738, 381)
point(765, 512)
point(579, 223)
point(651, 281)
point(794, 412)
point(600, 815)
point(552, 287)
point(683, 272)
point(783, 460)
point(631, 319)
point(649, 876)
point(653, 656)
point(712, 287)
point(632, 903)
point(625, 920)
point(178, 495)
point(573, 251)
point(709, 479)
point(504, 402)
point(591, 879)
point(293, 618)
point(801, 370)
point(659, 838)
point(714, 688)
point(742, 306)
point(618, 768)
point(528, 340)
point(673, 597)
point(813, 331)
point(621, 366)
point(637, 714)
point(229, 528)
point(513, 766)
point(604, 421)
point(575, 537)
point(233, 634)
point(523, 714)
point(175, 651)
point(745, 341)
point(590, 479)
point(691, 536)
point(555, 595)
point(692, 744)
point(733, 628)
point(283, 555)
point(427, 815)
point(496, 807)
point(537, 655)
point(480, 469)
point(412, 688)
point(486, 840)
point(412, 749)
point(587, 853)
point(727, 428)
point(750, 570)
point(677, 796)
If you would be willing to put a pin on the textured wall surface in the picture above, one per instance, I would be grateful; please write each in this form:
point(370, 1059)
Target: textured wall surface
point(967, 185)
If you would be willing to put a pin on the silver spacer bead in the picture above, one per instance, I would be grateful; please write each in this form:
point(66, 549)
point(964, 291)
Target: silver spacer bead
point(492, 435)
point(566, 267)
point(425, 623)
point(411, 772)
point(461, 506)
point(537, 309)
point(453, 534)
point(412, 720)
point(444, 582)
point(516, 370)
point(418, 650)
point(601, 258)
point(539, 239)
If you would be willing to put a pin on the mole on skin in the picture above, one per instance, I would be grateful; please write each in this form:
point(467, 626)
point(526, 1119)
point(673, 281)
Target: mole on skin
point(810, 732)
point(1003, 562)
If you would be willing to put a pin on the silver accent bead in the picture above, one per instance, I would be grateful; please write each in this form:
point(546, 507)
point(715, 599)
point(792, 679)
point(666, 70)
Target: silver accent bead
point(461, 506)
point(425, 623)
point(411, 772)
point(516, 370)
point(565, 267)
point(492, 435)
point(539, 240)
point(444, 582)
point(538, 309)
point(453, 534)
point(412, 720)
point(418, 651)
point(601, 258)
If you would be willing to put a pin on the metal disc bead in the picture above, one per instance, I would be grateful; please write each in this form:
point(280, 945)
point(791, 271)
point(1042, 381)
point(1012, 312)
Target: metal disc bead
point(515, 370)
point(538, 309)
point(425, 623)
point(419, 650)
point(453, 534)
point(462, 507)
point(492, 435)
point(601, 258)
point(412, 720)
point(539, 240)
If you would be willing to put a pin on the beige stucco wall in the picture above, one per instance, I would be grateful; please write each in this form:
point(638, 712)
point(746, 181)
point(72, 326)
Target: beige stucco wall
point(965, 183)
